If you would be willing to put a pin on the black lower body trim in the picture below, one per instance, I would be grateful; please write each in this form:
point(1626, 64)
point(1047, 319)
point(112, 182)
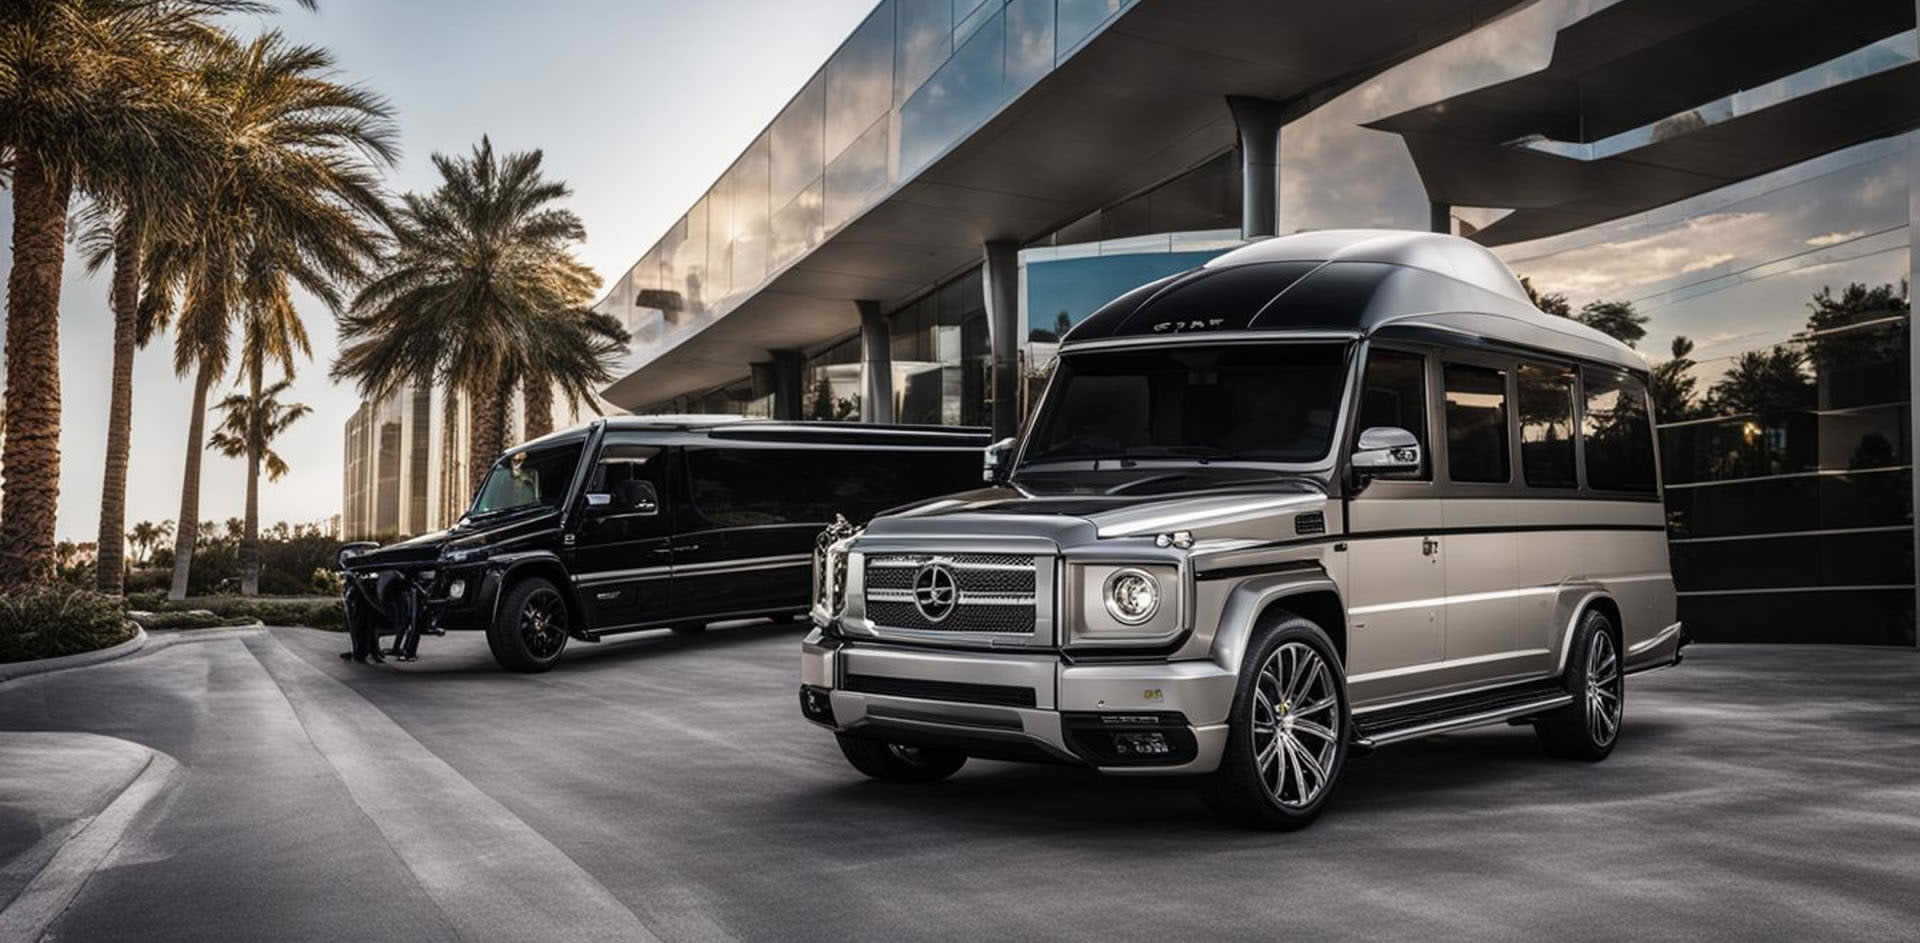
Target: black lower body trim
point(996, 694)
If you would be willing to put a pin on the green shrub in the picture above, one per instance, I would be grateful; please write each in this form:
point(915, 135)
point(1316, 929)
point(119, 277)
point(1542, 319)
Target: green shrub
point(46, 621)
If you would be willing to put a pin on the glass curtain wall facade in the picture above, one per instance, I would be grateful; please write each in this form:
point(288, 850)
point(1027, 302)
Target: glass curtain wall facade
point(1775, 325)
point(911, 81)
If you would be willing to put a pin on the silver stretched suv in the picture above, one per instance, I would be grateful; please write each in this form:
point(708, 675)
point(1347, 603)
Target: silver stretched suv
point(1325, 493)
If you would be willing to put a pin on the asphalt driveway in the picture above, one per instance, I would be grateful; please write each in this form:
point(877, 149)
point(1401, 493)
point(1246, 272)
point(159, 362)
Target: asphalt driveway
point(667, 787)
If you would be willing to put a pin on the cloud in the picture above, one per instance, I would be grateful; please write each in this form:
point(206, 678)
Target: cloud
point(1835, 238)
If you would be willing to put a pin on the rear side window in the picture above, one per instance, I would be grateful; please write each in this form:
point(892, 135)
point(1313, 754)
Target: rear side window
point(748, 487)
point(1619, 434)
point(1394, 393)
point(1546, 426)
point(1476, 424)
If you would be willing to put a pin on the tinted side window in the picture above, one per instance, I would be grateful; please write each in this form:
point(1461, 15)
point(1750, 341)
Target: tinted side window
point(1619, 433)
point(1546, 426)
point(1476, 424)
point(1394, 393)
point(747, 487)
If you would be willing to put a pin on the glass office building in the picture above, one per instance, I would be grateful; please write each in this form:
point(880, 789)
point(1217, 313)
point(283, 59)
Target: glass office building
point(1725, 184)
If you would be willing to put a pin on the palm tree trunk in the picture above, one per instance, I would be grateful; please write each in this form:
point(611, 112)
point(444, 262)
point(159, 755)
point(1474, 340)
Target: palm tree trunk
point(110, 566)
point(451, 484)
point(537, 400)
point(189, 527)
point(489, 407)
point(250, 540)
point(30, 468)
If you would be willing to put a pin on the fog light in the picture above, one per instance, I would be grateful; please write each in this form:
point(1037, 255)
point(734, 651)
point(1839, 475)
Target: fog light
point(1140, 744)
point(457, 590)
point(816, 704)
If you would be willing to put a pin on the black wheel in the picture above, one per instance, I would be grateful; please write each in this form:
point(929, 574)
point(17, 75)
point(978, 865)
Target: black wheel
point(897, 763)
point(531, 630)
point(690, 628)
point(1287, 733)
point(1588, 728)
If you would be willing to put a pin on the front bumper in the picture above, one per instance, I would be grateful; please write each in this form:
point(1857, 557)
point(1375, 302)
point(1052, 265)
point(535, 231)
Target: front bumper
point(1021, 706)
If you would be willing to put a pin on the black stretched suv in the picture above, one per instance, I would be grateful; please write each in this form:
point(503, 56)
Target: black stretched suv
point(634, 523)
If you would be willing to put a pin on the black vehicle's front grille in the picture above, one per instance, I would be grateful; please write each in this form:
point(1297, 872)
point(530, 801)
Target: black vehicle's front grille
point(994, 592)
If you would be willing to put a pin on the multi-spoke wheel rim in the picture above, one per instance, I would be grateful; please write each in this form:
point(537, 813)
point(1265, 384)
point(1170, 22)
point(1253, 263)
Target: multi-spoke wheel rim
point(1603, 690)
point(1296, 724)
point(543, 623)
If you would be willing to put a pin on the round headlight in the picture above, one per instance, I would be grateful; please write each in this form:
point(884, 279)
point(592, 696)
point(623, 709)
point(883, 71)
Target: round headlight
point(1132, 596)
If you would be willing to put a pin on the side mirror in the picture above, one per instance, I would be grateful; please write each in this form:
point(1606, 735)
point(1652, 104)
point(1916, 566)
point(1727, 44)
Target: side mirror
point(628, 497)
point(1386, 450)
point(997, 457)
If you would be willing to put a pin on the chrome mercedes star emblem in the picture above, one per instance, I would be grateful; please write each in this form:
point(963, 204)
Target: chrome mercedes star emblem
point(935, 591)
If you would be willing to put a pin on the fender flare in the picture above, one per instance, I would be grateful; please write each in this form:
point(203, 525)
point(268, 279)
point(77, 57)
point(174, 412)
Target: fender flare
point(1247, 601)
point(1574, 599)
point(501, 571)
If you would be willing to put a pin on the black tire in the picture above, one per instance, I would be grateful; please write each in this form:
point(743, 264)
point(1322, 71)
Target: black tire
point(530, 632)
point(897, 763)
point(1267, 776)
point(1588, 728)
point(690, 628)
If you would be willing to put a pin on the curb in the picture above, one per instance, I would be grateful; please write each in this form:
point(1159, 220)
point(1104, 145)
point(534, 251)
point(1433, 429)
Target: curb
point(81, 853)
point(140, 642)
point(22, 669)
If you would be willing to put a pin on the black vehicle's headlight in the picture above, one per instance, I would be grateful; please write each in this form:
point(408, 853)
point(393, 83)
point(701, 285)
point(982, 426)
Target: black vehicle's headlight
point(1132, 595)
point(352, 550)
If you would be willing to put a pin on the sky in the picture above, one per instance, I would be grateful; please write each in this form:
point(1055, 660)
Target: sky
point(638, 104)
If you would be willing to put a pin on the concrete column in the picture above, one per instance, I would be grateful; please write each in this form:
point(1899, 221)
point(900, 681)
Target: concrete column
point(1000, 279)
point(789, 380)
point(1258, 122)
point(876, 364)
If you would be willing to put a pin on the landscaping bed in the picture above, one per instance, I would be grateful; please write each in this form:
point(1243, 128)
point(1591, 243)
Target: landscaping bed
point(317, 612)
point(50, 621)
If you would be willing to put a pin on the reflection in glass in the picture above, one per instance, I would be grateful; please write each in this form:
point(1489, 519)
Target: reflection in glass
point(1476, 418)
point(796, 143)
point(859, 80)
point(1029, 43)
point(968, 16)
point(1078, 18)
point(923, 38)
point(857, 176)
point(719, 237)
point(797, 226)
point(1546, 426)
point(750, 238)
point(958, 97)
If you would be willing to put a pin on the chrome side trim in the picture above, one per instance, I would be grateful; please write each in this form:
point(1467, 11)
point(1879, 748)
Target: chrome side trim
point(643, 573)
point(744, 564)
point(1441, 666)
point(1275, 336)
point(1420, 699)
point(1470, 720)
point(1453, 600)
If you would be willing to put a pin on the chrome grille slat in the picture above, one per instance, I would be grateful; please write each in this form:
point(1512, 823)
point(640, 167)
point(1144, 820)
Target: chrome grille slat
point(996, 592)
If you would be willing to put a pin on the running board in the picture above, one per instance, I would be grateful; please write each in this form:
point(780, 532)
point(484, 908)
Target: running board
point(1383, 732)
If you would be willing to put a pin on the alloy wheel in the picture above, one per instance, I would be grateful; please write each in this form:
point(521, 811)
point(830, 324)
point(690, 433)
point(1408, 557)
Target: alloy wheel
point(1296, 724)
point(543, 623)
point(1603, 690)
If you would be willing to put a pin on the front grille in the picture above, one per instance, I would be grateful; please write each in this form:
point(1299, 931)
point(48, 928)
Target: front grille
point(995, 592)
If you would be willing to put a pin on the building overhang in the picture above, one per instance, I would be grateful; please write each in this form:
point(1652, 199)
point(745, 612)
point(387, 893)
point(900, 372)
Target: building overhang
point(1140, 102)
point(1652, 65)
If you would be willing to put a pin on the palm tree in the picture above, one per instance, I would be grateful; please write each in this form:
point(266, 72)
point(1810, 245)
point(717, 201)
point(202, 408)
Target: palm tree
point(482, 291)
point(94, 98)
point(252, 423)
point(143, 536)
point(294, 188)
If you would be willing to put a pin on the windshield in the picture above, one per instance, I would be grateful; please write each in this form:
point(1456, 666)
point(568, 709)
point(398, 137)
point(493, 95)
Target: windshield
point(527, 478)
point(1228, 403)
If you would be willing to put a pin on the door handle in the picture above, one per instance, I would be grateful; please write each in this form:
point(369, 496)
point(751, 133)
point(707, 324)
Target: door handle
point(663, 550)
point(1429, 546)
point(686, 547)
